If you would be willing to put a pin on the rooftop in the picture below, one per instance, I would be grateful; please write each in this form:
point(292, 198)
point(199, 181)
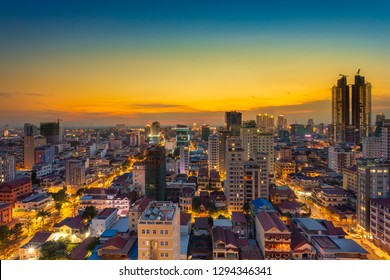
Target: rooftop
point(159, 210)
point(16, 183)
point(106, 213)
point(310, 224)
point(238, 217)
point(271, 220)
point(382, 201)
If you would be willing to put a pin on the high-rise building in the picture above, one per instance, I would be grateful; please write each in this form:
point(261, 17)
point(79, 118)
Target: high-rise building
point(51, 130)
point(7, 168)
point(351, 110)
point(254, 141)
point(385, 139)
point(159, 232)
point(340, 157)
point(155, 172)
point(205, 132)
point(45, 154)
point(373, 182)
point(361, 107)
point(340, 110)
point(379, 121)
point(30, 129)
point(234, 183)
point(282, 122)
point(213, 152)
point(256, 178)
point(223, 136)
point(30, 143)
point(155, 129)
point(371, 147)
point(184, 159)
point(139, 178)
point(233, 122)
point(75, 173)
point(265, 121)
point(182, 135)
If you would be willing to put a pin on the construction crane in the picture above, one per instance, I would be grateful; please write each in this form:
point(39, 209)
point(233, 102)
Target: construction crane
point(342, 75)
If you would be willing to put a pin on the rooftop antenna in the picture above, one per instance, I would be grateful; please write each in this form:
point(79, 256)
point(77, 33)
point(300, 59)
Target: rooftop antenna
point(358, 72)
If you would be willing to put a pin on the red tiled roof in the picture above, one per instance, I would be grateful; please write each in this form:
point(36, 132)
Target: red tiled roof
point(116, 241)
point(224, 235)
point(269, 221)
point(201, 223)
point(16, 183)
point(107, 212)
point(289, 205)
point(41, 237)
point(332, 230)
point(74, 223)
point(297, 240)
point(238, 217)
point(80, 252)
point(142, 203)
point(184, 218)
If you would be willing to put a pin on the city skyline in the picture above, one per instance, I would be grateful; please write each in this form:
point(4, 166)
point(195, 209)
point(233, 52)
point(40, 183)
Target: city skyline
point(135, 63)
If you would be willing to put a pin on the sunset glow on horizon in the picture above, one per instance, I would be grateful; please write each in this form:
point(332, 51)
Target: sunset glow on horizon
point(136, 63)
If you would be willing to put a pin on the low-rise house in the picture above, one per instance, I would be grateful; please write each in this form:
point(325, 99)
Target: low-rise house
point(310, 228)
point(103, 221)
point(11, 191)
point(218, 198)
point(225, 223)
point(117, 247)
point(261, 205)
point(185, 199)
point(33, 201)
point(330, 248)
point(301, 249)
point(5, 213)
point(30, 251)
point(281, 194)
point(249, 249)
point(201, 226)
point(75, 229)
point(331, 196)
point(273, 237)
point(51, 183)
point(290, 207)
point(240, 224)
point(81, 252)
point(225, 245)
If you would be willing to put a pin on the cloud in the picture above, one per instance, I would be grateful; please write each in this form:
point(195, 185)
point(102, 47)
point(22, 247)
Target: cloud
point(11, 94)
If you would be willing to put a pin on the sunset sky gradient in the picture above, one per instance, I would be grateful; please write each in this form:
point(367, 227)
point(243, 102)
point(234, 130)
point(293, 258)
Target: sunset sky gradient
point(93, 63)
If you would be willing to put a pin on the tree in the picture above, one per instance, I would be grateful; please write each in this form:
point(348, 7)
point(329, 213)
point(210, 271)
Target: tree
point(42, 214)
point(28, 224)
point(91, 246)
point(5, 240)
point(54, 250)
point(16, 231)
point(61, 196)
point(196, 204)
point(247, 208)
point(89, 213)
point(80, 192)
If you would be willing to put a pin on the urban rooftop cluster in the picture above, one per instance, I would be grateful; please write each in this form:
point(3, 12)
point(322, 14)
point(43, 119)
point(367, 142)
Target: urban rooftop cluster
point(249, 190)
